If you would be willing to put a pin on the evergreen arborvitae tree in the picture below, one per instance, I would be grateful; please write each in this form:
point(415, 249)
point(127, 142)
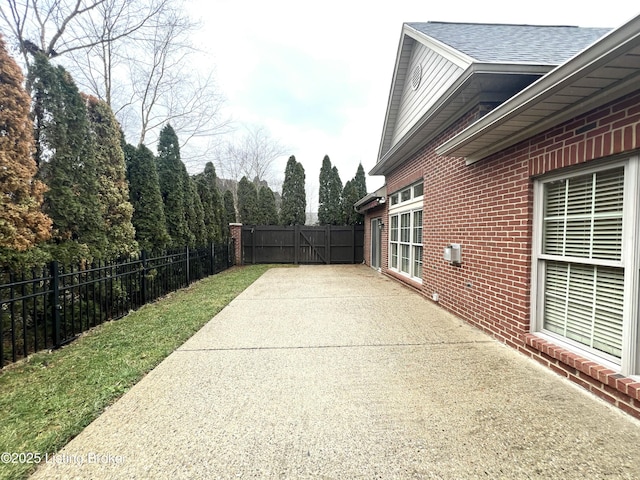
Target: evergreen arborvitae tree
point(294, 202)
point(173, 187)
point(113, 189)
point(66, 156)
point(324, 197)
point(195, 215)
point(267, 212)
point(22, 222)
point(349, 198)
point(229, 213)
point(353, 191)
point(144, 193)
point(360, 181)
point(206, 183)
point(335, 198)
point(330, 197)
point(247, 202)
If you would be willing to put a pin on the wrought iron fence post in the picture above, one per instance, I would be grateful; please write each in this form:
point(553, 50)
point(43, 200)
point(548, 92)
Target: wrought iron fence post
point(143, 279)
point(55, 303)
point(187, 263)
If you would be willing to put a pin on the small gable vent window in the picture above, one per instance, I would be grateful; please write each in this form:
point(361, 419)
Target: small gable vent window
point(416, 76)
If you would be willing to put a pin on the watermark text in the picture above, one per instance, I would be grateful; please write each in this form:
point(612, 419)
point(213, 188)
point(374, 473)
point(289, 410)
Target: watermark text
point(62, 458)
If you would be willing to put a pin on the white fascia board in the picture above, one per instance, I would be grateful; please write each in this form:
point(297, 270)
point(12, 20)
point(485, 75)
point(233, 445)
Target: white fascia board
point(392, 89)
point(455, 56)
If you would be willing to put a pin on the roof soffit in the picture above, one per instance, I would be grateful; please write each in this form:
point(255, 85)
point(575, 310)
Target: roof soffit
point(479, 83)
point(468, 91)
point(608, 67)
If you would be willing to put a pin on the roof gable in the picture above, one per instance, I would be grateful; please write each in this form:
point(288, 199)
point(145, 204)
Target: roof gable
point(478, 58)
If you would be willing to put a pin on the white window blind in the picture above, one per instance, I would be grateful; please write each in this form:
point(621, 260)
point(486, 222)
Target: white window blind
point(582, 220)
point(584, 303)
point(583, 216)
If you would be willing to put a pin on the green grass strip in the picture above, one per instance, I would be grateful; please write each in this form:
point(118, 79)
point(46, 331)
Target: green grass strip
point(50, 398)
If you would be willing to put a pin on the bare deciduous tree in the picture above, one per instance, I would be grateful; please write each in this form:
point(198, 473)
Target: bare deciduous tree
point(252, 155)
point(167, 88)
point(113, 25)
point(135, 55)
point(51, 27)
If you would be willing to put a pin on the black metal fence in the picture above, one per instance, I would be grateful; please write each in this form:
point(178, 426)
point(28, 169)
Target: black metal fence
point(50, 306)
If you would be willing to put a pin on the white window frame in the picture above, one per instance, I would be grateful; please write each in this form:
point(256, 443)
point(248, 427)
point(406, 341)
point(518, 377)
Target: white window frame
point(398, 209)
point(628, 364)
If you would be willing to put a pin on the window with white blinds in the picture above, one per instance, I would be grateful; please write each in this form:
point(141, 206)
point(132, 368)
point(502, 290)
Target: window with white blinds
point(581, 261)
point(584, 303)
point(583, 216)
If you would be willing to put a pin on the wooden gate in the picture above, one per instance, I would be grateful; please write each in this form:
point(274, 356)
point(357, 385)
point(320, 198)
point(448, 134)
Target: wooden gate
point(302, 244)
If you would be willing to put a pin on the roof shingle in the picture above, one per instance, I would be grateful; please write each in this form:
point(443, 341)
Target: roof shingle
point(523, 44)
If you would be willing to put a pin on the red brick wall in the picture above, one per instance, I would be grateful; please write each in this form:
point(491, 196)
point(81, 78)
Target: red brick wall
point(236, 234)
point(378, 212)
point(487, 208)
point(606, 131)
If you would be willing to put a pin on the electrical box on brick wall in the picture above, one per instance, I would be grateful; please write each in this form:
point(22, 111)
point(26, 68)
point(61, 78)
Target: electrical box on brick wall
point(453, 253)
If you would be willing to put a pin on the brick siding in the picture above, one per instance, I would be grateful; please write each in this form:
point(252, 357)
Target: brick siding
point(236, 234)
point(378, 212)
point(487, 207)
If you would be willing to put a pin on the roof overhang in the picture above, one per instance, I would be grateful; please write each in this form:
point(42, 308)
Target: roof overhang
point(479, 83)
point(371, 200)
point(602, 72)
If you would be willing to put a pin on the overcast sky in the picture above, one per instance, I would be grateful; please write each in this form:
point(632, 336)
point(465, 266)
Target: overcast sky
point(318, 74)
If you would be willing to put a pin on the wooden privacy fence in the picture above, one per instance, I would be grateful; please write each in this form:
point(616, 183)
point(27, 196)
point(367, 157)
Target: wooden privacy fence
point(302, 244)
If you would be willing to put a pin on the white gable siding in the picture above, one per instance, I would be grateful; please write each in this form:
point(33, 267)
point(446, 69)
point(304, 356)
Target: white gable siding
point(438, 74)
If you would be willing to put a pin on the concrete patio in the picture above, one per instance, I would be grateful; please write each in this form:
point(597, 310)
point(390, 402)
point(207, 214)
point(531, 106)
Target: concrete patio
point(339, 372)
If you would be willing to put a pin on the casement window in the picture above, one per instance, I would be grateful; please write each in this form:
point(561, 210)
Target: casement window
point(417, 244)
point(405, 232)
point(585, 262)
point(394, 242)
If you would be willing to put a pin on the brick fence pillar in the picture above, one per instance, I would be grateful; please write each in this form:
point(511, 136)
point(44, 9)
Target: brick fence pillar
point(236, 234)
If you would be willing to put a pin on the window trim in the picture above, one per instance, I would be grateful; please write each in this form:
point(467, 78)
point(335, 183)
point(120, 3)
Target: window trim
point(628, 364)
point(410, 244)
point(413, 204)
point(395, 199)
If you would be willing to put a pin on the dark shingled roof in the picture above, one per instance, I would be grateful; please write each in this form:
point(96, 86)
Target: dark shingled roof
point(523, 44)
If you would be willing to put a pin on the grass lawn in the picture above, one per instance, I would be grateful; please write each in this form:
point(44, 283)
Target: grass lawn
point(49, 398)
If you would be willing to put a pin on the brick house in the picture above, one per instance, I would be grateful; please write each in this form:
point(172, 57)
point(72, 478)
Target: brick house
point(511, 157)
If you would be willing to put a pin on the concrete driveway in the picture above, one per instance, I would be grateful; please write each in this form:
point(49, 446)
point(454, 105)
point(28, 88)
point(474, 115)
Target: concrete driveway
point(339, 372)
